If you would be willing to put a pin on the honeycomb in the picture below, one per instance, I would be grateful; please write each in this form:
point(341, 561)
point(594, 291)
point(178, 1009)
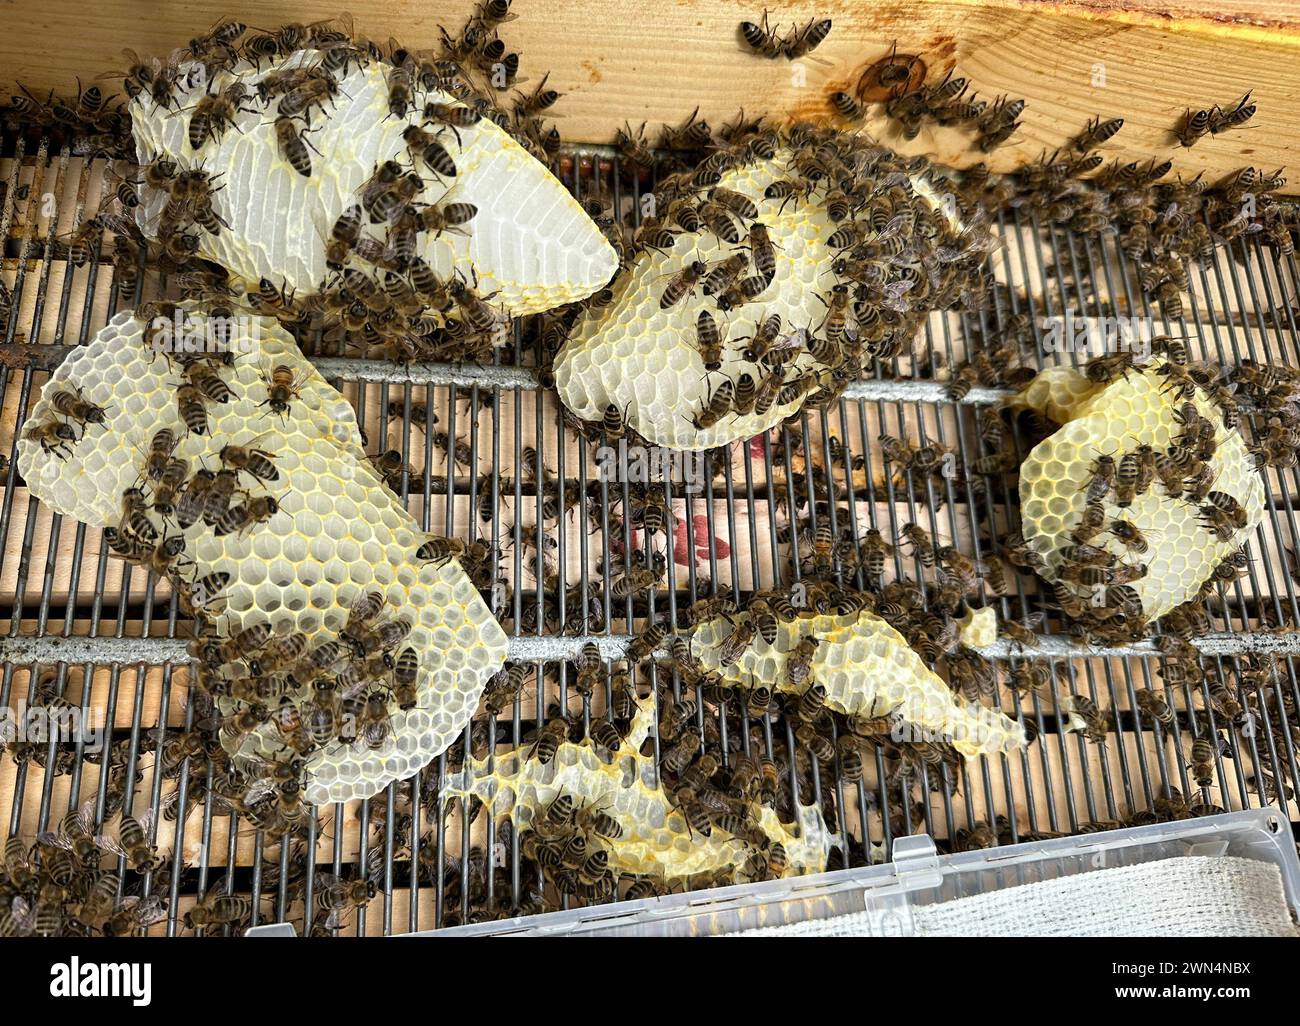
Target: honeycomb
point(530, 245)
point(1126, 413)
point(644, 360)
point(868, 671)
point(656, 841)
point(338, 532)
point(1056, 392)
point(979, 627)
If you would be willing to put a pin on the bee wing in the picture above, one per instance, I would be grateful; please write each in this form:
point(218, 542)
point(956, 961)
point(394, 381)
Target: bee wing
point(797, 339)
point(23, 914)
point(85, 818)
point(147, 911)
point(170, 801)
point(108, 843)
point(326, 882)
point(56, 839)
point(338, 917)
point(260, 789)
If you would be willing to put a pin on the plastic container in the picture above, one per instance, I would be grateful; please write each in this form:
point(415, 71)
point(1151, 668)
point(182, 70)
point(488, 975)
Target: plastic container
point(917, 876)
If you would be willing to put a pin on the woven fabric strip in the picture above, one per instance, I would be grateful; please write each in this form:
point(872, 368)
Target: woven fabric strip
point(1179, 897)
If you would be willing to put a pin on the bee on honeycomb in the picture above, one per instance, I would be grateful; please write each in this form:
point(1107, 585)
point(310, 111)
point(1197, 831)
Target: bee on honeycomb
point(1126, 494)
point(297, 547)
point(351, 191)
point(647, 834)
point(758, 287)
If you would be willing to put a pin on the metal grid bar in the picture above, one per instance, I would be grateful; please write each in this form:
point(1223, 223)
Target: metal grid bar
point(734, 533)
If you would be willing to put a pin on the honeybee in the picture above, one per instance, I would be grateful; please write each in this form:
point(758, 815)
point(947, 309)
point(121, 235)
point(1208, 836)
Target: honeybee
point(846, 106)
point(256, 462)
point(1242, 111)
point(54, 437)
point(679, 756)
point(723, 273)
point(217, 909)
point(193, 412)
point(798, 665)
point(1105, 369)
point(343, 237)
point(135, 520)
point(76, 408)
point(1178, 381)
point(1091, 523)
point(215, 113)
point(741, 637)
point(431, 151)
point(217, 496)
point(192, 500)
point(405, 668)
point(1031, 678)
point(446, 218)
point(203, 592)
point(803, 41)
point(682, 284)
point(762, 250)
point(1195, 124)
point(761, 38)
point(553, 733)
point(132, 843)
point(246, 515)
point(75, 834)
point(837, 306)
point(712, 608)
point(1201, 763)
point(539, 100)
point(922, 546)
point(717, 406)
point(453, 116)
point(1102, 480)
point(401, 91)
point(1126, 480)
point(293, 145)
point(441, 550)
point(1223, 515)
point(1097, 132)
point(1128, 533)
point(282, 387)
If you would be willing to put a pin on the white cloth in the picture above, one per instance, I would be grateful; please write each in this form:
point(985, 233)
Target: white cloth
point(1194, 896)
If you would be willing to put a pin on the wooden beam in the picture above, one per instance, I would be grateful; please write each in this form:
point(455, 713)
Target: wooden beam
point(615, 60)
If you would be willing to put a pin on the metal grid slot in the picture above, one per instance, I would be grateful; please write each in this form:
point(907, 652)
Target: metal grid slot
point(114, 638)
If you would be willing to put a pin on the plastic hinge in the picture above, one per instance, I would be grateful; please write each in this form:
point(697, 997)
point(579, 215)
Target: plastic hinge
point(916, 861)
point(272, 930)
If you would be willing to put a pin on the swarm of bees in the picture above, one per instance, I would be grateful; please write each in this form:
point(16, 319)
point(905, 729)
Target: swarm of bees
point(945, 103)
point(1197, 123)
point(1093, 576)
point(1161, 225)
point(380, 297)
point(265, 701)
point(893, 254)
point(92, 117)
point(800, 41)
point(63, 885)
point(273, 699)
